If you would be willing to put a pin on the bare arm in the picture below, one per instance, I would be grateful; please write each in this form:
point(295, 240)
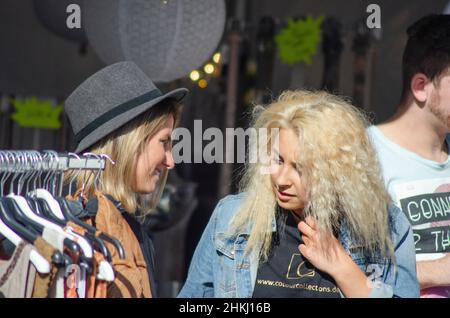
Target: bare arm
point(434, 273)
point(351, 280)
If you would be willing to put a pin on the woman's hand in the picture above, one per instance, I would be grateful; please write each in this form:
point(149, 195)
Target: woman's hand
point(327, 254)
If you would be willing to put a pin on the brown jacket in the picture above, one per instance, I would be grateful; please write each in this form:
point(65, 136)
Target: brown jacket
point(131, 277)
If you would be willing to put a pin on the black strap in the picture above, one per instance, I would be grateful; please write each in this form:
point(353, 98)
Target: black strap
point(116, 111)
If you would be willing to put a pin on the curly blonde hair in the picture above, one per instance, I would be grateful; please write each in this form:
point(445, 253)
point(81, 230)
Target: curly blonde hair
point(342, 175)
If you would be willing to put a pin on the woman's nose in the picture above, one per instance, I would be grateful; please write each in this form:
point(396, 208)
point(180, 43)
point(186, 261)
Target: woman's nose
point(169, 162)
point(282, 179)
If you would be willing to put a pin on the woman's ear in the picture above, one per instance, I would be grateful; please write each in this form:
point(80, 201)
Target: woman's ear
point(419, 87)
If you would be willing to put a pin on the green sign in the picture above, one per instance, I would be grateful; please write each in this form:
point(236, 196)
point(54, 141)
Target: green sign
point(34, 113)
point(298, 41)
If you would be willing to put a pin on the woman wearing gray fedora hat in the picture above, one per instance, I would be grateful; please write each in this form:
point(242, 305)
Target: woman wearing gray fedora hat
point(120, 112)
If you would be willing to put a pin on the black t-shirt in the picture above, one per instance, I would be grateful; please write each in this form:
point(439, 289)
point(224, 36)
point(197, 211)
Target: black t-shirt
point(287, 274)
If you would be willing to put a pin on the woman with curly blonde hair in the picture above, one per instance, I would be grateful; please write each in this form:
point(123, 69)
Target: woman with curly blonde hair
point(314, 222)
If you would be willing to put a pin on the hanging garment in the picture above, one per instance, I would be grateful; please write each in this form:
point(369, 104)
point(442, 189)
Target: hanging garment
point(43, 282)
point(6, 248)
point(92, 286)
point(17, 274)
point(75, 278)
point(96, 288)
point(141, 230)
point(56, 289)
point(131, 276)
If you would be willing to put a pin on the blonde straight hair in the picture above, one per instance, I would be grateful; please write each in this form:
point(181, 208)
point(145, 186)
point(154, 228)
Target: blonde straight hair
point(342, 175)
point(124, 146)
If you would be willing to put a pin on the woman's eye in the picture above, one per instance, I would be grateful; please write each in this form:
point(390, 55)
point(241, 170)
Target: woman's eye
point(277, 160)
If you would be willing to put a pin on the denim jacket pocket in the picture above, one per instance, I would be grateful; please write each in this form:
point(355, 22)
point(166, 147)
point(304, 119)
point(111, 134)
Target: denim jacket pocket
point(226, 269)
point(224, 245)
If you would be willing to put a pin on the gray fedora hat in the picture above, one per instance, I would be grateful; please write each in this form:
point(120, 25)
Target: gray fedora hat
point(111, 98)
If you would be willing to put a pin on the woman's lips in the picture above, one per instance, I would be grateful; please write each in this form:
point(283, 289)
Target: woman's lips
point(283, 195)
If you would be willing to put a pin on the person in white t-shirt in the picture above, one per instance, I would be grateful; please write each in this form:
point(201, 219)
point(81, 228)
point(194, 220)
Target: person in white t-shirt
point(413, 150)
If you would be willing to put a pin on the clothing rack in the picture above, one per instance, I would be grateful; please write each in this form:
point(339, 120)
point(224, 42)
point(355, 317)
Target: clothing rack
point(59, 232)
point(50, 160)
point(84, 162)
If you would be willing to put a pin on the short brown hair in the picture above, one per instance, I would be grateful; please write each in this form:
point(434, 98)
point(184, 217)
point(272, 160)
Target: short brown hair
point(427, 50)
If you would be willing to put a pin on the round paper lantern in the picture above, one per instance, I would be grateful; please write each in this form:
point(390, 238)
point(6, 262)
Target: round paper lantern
point(53, 15)
point(166, 38)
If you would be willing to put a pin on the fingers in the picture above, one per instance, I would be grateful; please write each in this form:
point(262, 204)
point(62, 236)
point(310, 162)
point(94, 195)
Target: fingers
point(307, 241)
point(311, 222)
point(305, 247)
point(303, 250)
point(306, 229)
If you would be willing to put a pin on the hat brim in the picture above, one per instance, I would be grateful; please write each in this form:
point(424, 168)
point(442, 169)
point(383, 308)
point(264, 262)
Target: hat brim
point(120, 120)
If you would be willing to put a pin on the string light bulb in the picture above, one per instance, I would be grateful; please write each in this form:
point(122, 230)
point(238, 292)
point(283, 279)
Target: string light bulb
point(202, 83)
point(209, 68)
point(194, 75)
point(216, 57)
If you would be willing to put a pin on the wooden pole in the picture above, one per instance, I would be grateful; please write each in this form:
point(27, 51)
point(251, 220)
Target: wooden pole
point(226, 171)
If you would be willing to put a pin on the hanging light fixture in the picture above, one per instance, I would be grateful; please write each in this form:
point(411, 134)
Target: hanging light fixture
point(166, 38)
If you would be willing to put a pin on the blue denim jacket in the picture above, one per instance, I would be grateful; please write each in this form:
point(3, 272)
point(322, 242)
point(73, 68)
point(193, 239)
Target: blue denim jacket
point(219, 268)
